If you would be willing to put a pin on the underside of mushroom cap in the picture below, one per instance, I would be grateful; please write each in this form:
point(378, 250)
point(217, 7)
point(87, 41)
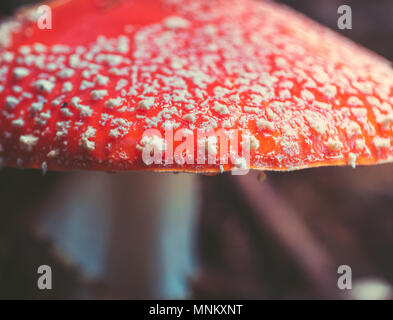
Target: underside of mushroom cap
point(114, 80)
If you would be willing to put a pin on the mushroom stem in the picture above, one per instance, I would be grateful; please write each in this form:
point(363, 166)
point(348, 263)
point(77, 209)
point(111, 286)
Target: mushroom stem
point(132, 232)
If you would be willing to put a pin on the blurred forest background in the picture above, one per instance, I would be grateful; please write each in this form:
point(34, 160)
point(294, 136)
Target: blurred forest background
point(285, 242)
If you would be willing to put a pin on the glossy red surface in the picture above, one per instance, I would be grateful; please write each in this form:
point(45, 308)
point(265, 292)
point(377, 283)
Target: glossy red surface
point(307, 96)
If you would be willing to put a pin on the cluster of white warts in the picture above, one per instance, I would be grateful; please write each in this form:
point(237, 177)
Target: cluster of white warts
point(265, 86)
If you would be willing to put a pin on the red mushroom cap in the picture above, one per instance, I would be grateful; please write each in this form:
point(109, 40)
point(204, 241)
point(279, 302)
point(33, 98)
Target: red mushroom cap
point(83, 94)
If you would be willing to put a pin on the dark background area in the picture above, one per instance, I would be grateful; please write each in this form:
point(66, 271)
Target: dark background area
point(339, 215)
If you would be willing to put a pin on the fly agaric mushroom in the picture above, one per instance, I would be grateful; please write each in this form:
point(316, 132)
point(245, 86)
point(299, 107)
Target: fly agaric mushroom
point(82, 94)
